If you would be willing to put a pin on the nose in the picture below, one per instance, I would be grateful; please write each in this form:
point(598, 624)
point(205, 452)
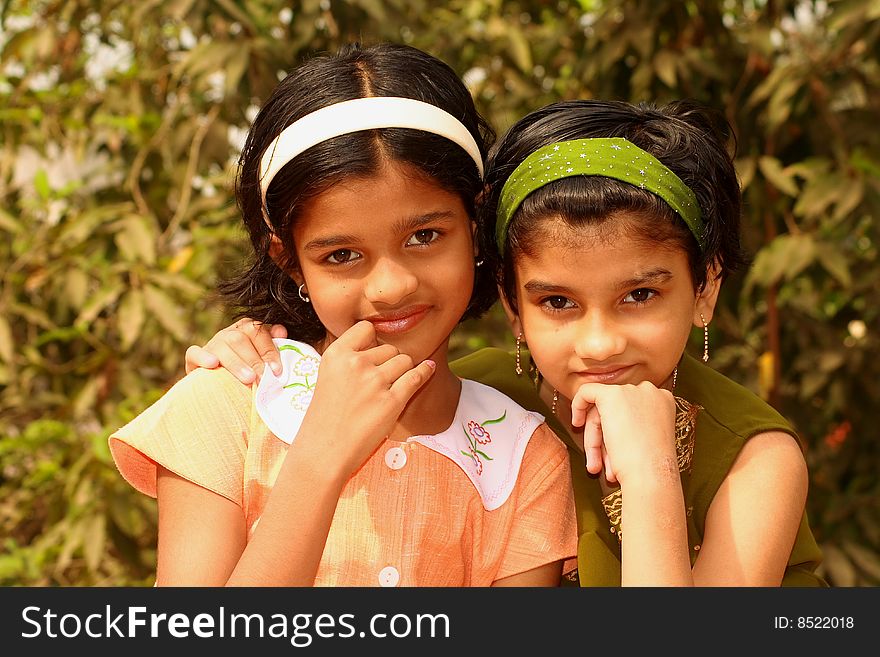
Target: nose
point(599, 338)
point(389, 282)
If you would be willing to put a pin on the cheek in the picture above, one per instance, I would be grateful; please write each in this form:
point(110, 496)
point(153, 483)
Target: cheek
point(548, 342)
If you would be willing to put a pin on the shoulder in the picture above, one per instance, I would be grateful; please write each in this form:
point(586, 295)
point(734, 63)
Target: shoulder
point(772, 456)
point(198, 430)
point(203, 393)
point(728, 405)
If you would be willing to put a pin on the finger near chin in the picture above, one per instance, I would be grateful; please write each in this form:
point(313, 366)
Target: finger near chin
point(395, 367)
point(360, 336)
point(382, 353)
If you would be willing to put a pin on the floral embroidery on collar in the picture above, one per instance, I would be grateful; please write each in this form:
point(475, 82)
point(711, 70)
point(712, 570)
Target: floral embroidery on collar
point(305, 367)
point(477, 434)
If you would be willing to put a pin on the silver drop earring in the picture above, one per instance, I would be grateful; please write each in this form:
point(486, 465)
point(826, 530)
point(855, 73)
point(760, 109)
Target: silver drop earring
point(705, 339)
point(518, 369)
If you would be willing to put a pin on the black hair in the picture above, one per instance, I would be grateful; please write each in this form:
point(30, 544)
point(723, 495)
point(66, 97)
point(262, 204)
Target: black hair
point(265, 291)
point(690, 139)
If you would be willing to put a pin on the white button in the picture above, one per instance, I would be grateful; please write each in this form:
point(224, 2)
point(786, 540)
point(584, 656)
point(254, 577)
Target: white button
point(389, 576)
point(395, 458)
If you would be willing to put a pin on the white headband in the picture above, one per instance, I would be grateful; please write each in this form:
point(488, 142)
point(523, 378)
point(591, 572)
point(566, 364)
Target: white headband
point(362, 114)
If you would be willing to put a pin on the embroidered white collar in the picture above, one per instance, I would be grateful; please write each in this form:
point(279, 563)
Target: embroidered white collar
point(487, 437)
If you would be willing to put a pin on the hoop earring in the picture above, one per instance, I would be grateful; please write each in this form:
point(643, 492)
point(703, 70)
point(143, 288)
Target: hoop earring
point(518, 369)
point(303, 295)
point(705, 339)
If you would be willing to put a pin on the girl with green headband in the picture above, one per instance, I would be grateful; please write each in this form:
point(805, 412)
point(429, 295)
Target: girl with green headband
point(615, 226)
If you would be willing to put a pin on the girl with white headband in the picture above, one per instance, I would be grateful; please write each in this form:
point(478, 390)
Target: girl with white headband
point(365, 461)
point(614, 226)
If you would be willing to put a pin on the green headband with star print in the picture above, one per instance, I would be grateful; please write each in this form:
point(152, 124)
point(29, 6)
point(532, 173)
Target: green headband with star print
point(610, 157)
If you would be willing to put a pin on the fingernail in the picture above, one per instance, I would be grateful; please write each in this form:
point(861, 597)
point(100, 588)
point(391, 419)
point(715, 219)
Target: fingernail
point(247, 373)
point(431, 364)
point(275, 367)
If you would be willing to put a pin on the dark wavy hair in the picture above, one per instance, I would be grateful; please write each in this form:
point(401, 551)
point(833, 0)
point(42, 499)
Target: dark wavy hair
point(695, 142)
point(264, 291)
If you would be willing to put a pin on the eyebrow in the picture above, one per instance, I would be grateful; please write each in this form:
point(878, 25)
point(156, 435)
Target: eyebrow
point(415, 222)
point(540, 287)
point(406, 224)
point(651, 277)
point(648, 278)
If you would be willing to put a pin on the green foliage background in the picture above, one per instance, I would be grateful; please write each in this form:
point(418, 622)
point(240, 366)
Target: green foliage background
point(120, 122)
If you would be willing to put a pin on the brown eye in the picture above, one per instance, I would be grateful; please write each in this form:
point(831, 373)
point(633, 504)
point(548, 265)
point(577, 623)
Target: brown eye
point(424, 236)
point(641, 295)
point(341, 256)
point(557, 303)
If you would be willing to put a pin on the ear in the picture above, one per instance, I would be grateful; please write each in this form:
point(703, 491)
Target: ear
point(512, 317)
point(278, 254)
point(475, 240)
point(707, 297)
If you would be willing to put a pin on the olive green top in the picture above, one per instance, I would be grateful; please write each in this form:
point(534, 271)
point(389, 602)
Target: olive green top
point(730, 415)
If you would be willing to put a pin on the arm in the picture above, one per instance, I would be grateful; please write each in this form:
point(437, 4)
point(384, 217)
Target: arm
point(754, 517)
point(629, 430)
point(203, 537)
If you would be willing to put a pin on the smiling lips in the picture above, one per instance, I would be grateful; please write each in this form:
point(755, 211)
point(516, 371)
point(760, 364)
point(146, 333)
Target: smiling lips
point(399, 321)
point(604, 374)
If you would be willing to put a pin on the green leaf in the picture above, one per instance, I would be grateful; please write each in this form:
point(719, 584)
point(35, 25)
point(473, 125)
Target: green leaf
point(76, 288)
point(785, 257)
point(521, 51)
point(104, 297)
point(835, 263)
point(236, 68)
point(136, 241)
point(9, 223)
point(664, 65)
point(85, 399)
point(131, 317)
point(849, 196)
point(94, 541)
point(745, 168)
point(780, 178)
point(165, 311)
point(41, 184)
point(818, 195)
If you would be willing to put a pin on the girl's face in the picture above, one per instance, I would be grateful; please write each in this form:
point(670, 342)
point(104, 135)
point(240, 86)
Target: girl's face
point(606, 308)
point(394, 249)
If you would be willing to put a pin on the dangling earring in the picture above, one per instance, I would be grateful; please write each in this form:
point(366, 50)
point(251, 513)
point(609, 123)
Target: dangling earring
point(705, 339)
point(479, 262)
point(304, 295)
point(518, 369)
point(555, 400)
point(674, 378)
